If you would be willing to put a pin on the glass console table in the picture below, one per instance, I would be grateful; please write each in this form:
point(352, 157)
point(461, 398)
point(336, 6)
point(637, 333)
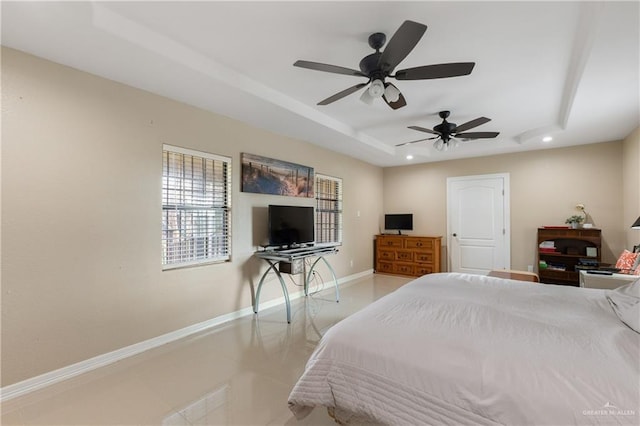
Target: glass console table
point(274, 257)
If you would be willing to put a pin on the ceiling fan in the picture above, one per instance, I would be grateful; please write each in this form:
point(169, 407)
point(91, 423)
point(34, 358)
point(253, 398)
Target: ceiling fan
point(380, 65)
point(447, 133)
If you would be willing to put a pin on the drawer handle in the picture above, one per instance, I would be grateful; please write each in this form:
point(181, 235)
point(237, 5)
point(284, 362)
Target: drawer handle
point(419, 244)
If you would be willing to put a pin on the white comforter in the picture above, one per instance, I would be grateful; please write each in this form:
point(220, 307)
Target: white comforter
point(470, 349)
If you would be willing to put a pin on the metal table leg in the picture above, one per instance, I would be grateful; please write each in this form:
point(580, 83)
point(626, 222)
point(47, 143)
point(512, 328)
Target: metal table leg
point(272, 265)
point(308, 277)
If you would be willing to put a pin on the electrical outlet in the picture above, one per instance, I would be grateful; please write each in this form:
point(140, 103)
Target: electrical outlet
point(351, 263)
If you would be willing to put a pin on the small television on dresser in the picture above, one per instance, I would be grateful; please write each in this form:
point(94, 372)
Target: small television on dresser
point(398, 222)
point(290, 226)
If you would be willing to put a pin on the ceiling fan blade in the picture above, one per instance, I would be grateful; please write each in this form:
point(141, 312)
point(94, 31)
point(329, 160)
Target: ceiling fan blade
point(477, 135)
point(471, 124)
point(399, 103)
point(342, 94)
point(423, 129)
point(419, 140)
point(426, 72)
point(317, 66)
point(401, 44)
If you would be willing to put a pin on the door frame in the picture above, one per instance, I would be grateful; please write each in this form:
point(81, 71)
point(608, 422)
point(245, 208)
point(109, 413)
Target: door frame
point(506, 206)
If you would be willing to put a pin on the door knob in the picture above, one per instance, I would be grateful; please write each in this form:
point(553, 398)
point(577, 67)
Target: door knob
point(455, 235)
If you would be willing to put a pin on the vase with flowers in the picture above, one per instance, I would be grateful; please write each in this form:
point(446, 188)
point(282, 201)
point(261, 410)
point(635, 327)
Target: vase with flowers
point(574, 221)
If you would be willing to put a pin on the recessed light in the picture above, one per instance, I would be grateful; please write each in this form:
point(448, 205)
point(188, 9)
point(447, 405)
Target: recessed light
point(409, 157)
point(547, 139)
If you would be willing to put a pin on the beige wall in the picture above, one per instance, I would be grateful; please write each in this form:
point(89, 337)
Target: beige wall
point(545, 187)
point(81, 167)
point(631, 185)
point(81, 176)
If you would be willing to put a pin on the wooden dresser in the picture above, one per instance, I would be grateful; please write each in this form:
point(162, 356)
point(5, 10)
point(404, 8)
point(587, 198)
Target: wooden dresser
point(407, 255)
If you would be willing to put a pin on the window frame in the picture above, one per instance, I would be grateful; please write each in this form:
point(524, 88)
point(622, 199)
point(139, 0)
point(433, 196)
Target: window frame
point(183, 208)
point(337, 228)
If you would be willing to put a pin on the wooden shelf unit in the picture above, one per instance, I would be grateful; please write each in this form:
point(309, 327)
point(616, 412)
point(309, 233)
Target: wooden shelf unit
point(407, 255)
point(571, 246)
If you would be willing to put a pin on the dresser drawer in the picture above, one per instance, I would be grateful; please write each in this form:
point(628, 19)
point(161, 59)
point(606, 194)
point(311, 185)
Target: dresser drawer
point(419, 243)
point(423, 270)
point(386, 241)
point(385, 267)
point(404, 255)
point(404, 269)
point(386, 255)
point(423, 257)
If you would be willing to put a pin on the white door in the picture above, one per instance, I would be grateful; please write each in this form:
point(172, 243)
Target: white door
point(478, 223)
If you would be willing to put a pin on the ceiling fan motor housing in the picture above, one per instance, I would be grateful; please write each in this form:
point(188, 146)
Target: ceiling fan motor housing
point(445, 129)
point(369, 66)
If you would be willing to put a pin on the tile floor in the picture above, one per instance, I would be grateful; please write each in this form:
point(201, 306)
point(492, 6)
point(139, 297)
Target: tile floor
point(239, 373)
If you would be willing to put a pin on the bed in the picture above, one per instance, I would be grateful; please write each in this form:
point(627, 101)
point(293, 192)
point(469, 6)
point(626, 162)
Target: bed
point(470, 349)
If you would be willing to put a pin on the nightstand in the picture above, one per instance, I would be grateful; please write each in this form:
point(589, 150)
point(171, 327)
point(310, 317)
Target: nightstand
point(605, 281)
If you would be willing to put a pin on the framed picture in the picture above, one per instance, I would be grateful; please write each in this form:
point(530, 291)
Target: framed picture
point(262, 175)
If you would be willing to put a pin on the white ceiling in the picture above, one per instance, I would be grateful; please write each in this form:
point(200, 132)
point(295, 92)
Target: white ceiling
point(566, 69)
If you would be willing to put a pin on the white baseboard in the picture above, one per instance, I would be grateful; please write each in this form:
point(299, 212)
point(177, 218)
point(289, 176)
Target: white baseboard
point(38, 382)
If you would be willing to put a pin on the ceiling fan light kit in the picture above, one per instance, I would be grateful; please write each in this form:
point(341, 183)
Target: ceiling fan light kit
point(444, 146)
point(379, 66)
point(376, 89)
point(392, 93)
point(367, 98)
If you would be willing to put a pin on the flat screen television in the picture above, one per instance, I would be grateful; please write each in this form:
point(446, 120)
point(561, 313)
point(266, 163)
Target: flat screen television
point(290, 225)
point(398, 222)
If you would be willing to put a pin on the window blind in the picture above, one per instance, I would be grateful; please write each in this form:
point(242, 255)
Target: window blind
point(196, 207)
point(328, 209)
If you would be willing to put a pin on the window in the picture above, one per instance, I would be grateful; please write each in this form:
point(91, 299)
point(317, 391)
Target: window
point(196, 207)
point(328, 209)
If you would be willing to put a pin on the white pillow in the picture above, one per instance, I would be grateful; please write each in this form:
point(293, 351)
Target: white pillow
point(625, 302)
